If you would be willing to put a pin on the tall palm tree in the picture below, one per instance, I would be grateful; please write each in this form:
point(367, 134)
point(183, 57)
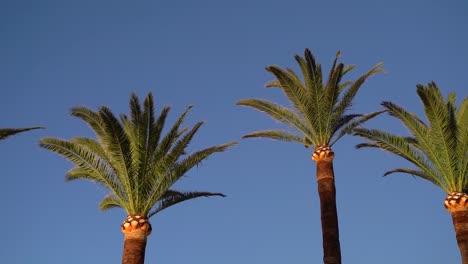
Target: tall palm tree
point(320, 116)
point(438, 150)
point(7, 132)
point(137, 163)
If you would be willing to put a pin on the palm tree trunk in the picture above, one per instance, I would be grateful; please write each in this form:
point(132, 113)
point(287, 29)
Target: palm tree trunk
point(136, 229)
point(457, 204)
point(323, 157)
point(134, 247)
point(460, 223)
point(328, 212)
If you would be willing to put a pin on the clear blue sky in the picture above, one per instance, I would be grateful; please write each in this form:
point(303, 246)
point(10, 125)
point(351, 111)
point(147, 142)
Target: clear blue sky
point(212, 53)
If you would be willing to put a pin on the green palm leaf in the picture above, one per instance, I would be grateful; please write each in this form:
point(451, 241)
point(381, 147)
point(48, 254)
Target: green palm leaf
point(280, 114)
point(418, 173)
point(8, 132)
point(277, 135)
point(109, 202)
point(89, 165)
point(172, 197)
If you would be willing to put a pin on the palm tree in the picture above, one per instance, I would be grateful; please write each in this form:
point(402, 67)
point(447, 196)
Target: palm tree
point(320, 116)
point(136, 162)
point(7, 132)
point(438, 149)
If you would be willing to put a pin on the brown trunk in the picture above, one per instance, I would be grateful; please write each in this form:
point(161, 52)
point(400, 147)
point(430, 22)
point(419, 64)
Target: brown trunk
point(460, 223)
point(134, 247)
point(136, 229)
point(329, 215)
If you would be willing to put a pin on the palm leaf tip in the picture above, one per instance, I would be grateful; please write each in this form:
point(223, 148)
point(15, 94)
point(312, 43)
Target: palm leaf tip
point(7, 132)
point(338, 54)
point(230, 144)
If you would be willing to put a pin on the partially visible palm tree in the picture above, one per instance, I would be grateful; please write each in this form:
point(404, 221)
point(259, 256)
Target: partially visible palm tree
point(136, 162)
point(320, 115)
point(7, 132)
point(438, 150)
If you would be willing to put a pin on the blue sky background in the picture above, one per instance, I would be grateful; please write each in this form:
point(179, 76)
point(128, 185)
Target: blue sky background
point(212, 53)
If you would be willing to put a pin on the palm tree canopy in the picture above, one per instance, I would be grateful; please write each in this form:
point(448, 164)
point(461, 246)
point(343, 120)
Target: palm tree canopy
point(7, 132)
point(438, 149)
point(132, 158)
point(319, 108)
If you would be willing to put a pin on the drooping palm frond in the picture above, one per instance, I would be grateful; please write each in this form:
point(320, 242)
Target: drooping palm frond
point(280, 135)
point(280, 114)
point(172, 197)
point(90, 165)
point(320, 108)
point(438, 149)
point(7, 132)
point(111, 201)
point(130, 155)
point(401, 146)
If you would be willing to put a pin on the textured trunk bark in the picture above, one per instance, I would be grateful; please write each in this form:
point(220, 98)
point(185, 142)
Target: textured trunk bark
point(134, 247)
point(460, 223)
point(329, 215)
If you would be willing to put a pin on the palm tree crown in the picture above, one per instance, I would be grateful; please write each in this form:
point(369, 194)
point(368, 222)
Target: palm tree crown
point(438, 149)
point(132, 157)
point(319, 113)
point(7, 132)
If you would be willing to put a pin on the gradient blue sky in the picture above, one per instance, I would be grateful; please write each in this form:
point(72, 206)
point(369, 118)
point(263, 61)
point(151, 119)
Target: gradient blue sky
point(212, 53)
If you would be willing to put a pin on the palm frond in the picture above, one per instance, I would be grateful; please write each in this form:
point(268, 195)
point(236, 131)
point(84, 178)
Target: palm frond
point(93, 146)
point(418, 129)
point(172, 136)
point(344, 120)
point(164, 166)
point(313, 80)
point(194, 159)
point(462, 114)
point(347, 128)
point(135, 108)
point(177, 151)
point(348, 97)
point(280, 135)
point(109, 202)
point(315, 69)
point(91, 118)
point(294, 90)
point(172, 197)
point(443, 126)
point(8, 132)
point(90, 165)
point(347, 69)
point(419, 173)
point(332, 90)
point(179, 169)
point(400, 146)
point(280, 114)
point(117, 145)
point(462, 154)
